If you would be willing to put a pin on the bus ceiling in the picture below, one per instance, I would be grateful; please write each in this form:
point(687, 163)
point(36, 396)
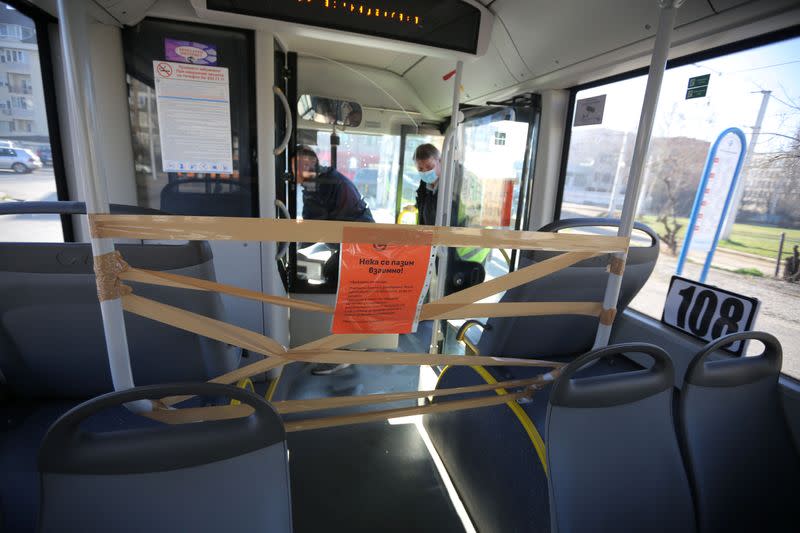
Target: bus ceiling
point(519, 46)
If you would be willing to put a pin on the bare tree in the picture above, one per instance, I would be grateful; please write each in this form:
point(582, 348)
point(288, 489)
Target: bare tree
point(667, 216)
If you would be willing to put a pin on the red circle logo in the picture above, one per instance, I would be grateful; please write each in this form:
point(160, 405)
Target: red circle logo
point(164, 70)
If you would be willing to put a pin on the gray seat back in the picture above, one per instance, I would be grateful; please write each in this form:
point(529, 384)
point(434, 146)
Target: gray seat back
point(51, 332)
point(228, 475)
point(613, 458)
point(566, 335)
point(743, 464)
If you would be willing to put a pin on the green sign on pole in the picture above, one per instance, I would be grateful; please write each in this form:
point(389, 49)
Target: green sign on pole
point(697, 92)
point(699, 81)
point(698, 86)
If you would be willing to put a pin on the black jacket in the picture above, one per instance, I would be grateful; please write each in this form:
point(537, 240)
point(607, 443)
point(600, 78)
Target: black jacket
point(334, 197)
point(426, 205)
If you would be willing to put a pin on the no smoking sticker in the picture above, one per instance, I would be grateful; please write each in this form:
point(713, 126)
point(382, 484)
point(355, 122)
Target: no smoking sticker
point(164, 70)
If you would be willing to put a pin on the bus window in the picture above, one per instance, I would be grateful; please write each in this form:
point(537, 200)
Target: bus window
point(409, 182)
point(494, 149)
point(748, 258)
point(193, 187)
point(370, 164)
point(26, 158)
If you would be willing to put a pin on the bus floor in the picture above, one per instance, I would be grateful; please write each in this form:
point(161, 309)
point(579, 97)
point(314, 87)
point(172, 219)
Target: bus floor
point(371, 477)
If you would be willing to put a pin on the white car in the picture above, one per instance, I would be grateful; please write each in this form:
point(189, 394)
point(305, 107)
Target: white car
point(20, 160)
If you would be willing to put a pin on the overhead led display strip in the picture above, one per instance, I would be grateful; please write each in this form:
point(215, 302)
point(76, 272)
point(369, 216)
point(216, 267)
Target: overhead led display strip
point(358, 8)
point(450, 24)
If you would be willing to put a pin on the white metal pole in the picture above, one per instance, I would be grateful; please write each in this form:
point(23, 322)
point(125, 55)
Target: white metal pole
point(444, 202)
point(737, 196)
point(666, 22)
point(85, 141)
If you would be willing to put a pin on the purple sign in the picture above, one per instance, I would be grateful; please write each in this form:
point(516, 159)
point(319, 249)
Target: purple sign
point(189, 52)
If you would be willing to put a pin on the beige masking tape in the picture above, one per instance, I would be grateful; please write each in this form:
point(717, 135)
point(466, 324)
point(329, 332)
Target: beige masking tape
point(446, 312)
point(616, 265)
point(516, 278)
point(374, 416)
point(393, 234)
point(607, 316)
point(202, 325)
point(166, 279)
point(199, 414)
point(107, 270)
point(176, 227)
point(226, 412)
point(413, 359)
point(336, 402)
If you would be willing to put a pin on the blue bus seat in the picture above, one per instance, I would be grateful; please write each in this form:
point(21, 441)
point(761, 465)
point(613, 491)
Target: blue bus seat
point(207, 197)
point(227, 475)
point(613, 456)
point(743, 463)
point(51, 335)
point(566, 335)
point(496, 456)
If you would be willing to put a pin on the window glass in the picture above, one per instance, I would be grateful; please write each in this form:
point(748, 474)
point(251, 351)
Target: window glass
point(491, 173)
point(370, 164)
point(192, 186)
point(410, 174)
point(26, 163)
point(768, 207)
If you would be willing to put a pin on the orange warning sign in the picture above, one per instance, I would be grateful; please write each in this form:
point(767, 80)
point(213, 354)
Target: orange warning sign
point(381, 287)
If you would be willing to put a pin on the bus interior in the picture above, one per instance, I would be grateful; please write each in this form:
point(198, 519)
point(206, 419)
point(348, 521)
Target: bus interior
point(184, 182)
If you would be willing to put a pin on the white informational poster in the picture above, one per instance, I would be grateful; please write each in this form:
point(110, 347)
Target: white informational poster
point(589, 111)
point(715, 194)
point(194, 117)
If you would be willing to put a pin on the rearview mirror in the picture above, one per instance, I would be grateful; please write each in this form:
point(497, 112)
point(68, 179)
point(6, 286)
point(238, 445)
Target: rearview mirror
point(329, 111)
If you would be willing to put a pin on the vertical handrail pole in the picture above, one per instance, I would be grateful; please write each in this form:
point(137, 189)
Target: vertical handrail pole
point(85, 140)
point(658, 64)
point(444, 202)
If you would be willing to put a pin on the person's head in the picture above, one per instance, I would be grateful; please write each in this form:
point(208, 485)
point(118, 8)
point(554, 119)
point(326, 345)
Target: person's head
point(305, 164)
point(427, 159)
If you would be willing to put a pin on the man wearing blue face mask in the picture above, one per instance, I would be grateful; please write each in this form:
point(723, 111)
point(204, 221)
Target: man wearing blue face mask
point(428, 161)
point(466, 263)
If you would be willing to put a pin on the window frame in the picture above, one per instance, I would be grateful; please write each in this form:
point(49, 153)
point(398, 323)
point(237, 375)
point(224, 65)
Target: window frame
point(712, 53)
point(42, 22)
point(704, 55)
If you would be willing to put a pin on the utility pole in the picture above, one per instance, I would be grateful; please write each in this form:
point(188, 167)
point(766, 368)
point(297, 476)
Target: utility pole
point(617, 175)
point(739, 192)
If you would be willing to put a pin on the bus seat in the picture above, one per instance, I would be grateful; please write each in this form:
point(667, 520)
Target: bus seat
point(227, 475)
point(51, 334)
point(566, 335)
point(496, 456)
point(206, 197)
point(613, 457)
point(743, 464)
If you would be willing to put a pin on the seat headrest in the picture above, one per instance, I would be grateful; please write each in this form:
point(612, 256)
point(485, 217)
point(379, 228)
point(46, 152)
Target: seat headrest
point(735, 371)
point(68, 449)
point(613, 389)
point(636, 254)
